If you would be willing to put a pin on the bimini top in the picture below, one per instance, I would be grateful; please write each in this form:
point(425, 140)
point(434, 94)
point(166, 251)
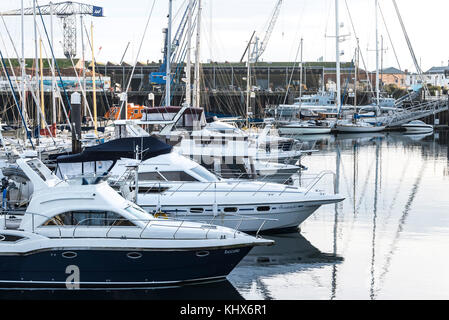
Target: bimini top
point(114, 150)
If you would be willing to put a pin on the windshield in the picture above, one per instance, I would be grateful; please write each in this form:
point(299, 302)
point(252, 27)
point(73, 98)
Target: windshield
point(205, 174)
point(135, 210)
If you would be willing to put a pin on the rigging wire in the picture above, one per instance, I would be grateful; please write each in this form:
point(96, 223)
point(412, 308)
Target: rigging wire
point(360, 51)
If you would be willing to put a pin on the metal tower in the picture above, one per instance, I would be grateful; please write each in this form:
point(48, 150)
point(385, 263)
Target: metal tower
point(259, 47)
point(66, 11)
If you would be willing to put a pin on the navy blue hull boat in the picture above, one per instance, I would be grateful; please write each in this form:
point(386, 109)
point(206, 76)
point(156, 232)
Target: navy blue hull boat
point(76, 236)
point(95, 268)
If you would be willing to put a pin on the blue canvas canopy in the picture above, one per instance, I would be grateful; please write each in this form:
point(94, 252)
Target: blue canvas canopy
point(148, 147)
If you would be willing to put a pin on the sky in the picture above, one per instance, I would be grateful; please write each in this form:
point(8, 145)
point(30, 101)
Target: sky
point(228, 24)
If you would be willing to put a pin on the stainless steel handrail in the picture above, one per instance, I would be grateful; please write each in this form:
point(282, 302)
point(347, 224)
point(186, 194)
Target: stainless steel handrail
point(318, 178)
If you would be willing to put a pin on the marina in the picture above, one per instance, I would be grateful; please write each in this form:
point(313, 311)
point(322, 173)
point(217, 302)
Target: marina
point(190, 178)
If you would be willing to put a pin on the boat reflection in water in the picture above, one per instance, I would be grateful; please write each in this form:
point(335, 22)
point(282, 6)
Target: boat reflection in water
point(288, 248)
point(279, 272)
point(417, 136)
point(216, 290)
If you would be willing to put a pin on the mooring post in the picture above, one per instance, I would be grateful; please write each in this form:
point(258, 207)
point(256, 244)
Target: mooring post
point(75, 119)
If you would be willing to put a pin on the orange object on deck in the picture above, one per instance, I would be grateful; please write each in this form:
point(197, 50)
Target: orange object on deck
point(133, 112)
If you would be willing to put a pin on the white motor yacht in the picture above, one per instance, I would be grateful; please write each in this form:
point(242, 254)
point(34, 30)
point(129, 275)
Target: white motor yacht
point(181, 188)
point(305, 127)
point(85, 235)
point(190, 124)
point(358, 126)
point(417, 126)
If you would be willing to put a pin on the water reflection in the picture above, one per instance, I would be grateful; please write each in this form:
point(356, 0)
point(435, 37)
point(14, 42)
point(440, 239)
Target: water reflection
point(394, 185)
point(417, 137)
point(288, 248)
point(291, 255)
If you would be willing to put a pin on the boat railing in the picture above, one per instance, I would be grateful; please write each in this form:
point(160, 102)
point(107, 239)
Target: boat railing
point(33, 224)
point(234, 174)
point(158, 222)
point(319, 177)
point(240, 219)
point(417, 111)
point(211, 187)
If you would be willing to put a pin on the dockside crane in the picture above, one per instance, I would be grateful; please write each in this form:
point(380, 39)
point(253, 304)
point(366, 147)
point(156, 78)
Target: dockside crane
point(67, 12)
point(260, 46)
point(176, 49)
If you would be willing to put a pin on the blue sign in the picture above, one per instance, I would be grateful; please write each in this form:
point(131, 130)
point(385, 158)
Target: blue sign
point(157, 77)
point(97, 11)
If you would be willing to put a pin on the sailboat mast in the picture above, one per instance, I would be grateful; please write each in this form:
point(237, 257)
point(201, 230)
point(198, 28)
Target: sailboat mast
point(197, 86)
point(94, 79)
point(53, 84)
point(24, 107)
point(248, 84)
point(300, 77)
point(84, 62)
point(189, 58)
point(41, 66)
point(36, 72)
point(377, 57)
point(356, 68)
point(337, 60)
point(168, 58)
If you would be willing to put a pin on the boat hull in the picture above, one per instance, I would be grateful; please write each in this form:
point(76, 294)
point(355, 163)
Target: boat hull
point(116, 267)
point(418, 129)
point(361, 129)
point(301, 130)
point(280, 217)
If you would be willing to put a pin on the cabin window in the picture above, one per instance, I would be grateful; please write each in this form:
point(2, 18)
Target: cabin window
point(151, 189)
point(35, 166)
point(88, 218)
point(177, 176)
point(151, 176)
point(9, 238)
point(203, 173)
point(235, 170)
point(263, 208)
point(230, 209)
point(196, 210)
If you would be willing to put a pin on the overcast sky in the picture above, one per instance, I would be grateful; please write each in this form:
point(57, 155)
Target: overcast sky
point(233, 22)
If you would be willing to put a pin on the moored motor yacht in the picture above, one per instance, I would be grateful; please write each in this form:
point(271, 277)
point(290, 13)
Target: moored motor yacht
point(304, 127)
point(347, 126)
point(417, 126)
point(181, 188)
point(188, 123)
point(83, 234)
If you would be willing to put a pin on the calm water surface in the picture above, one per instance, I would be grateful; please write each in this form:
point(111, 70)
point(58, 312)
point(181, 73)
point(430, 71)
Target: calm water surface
point(389, 239)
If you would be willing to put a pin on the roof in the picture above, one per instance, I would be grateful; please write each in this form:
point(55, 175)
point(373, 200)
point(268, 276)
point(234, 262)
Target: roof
point(440, 69)
point(392, 70)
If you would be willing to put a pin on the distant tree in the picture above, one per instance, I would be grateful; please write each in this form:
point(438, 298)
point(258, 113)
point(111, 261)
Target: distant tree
point(394, 91)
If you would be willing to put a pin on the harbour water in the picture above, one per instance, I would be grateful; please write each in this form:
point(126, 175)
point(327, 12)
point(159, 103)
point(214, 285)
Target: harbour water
point(387, 240)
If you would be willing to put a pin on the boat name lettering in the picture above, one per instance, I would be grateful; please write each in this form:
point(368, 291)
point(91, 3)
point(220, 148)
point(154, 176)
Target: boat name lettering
point(72, 282)
point(231, 251)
